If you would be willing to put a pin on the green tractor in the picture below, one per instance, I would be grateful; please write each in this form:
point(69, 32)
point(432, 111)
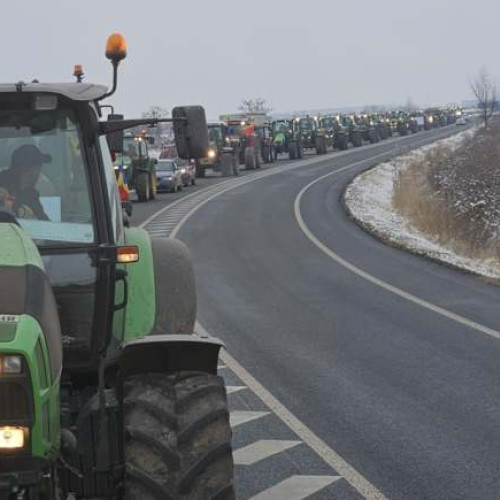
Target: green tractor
point(287, 139)
point(105, 391)
point(336, 135)
point(311, 135)
point(142, 168)
point(354, 131)
point(223, 154)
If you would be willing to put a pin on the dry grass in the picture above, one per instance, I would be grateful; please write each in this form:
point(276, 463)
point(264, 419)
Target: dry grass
point(453, 195)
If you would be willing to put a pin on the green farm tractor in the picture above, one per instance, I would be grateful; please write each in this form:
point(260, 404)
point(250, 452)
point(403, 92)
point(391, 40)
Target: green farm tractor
point(106, 392)
point(287, 138)
point(142, 168)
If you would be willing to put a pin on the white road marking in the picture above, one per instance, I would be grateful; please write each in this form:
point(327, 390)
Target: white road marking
point(243, 417)
point(260, 450)
point(231, 389)
point(296, 488)
point(327, 454)
point(369, 277)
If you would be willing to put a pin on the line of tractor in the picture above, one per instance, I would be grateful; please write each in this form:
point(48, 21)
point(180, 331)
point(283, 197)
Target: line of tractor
point(251, 139)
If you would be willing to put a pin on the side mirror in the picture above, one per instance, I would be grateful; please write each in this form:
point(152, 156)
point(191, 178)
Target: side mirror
point(115, 139)
point(191, 132)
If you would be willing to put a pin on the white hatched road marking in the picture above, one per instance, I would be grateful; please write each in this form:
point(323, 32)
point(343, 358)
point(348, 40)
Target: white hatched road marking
point(231, 389)
point(243, 417)
point(296, 488)
point(260, 450)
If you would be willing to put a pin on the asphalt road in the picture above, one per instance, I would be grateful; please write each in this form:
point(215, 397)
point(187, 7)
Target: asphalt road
point(400, 390)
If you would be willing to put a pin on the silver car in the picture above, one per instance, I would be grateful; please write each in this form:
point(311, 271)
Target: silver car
point(168, 176)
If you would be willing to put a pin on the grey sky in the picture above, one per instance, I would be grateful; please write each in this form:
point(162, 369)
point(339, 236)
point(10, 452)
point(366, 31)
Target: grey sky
point(296, 54)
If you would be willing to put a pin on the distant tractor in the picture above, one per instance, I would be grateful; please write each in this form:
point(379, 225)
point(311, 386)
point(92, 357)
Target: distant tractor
point(142, 168)
point(223, 153)
point(311, 136)
point(287, 138)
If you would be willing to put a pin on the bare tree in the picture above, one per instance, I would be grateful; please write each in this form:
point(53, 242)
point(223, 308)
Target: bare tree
point(257, 105)
point(485, 90)
point(160, 131)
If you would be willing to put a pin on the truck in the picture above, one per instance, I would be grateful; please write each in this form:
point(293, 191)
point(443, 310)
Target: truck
point(106, 391)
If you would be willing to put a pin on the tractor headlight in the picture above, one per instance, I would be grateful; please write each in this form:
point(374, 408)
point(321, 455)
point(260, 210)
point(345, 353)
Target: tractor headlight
point(12, 438)
point(211, 154)
point(183, 170)
point(11, 365)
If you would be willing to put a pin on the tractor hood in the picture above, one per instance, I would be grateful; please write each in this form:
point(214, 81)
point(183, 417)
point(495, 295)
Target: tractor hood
point(25, 290)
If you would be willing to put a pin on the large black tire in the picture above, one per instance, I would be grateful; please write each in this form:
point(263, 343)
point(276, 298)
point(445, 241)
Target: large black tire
point(174, 286)
point(152, 184)
point(200, 170)
point(300, 150)
point(343, 143)
point(250, 158)
point(143, 187)
point(177, 438)
point(226, 164)
point(266, 154)
point(258, 153)
point(357, 140)
point(292, 150)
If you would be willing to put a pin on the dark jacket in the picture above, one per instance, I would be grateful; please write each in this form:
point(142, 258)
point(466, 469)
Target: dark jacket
point(9, 179)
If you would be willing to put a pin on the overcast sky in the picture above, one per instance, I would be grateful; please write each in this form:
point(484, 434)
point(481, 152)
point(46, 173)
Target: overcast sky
point(306, 54)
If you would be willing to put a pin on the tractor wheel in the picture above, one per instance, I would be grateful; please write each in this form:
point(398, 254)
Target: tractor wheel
point(292, 150)
point(143, 188)
point(300, 150)
point(272, 155)
point(266, 154)
point(200, 170)
point(226, 164)
point(152, 183)
point(250, 158)
point(357, 140)
point(177, 438)
point(258, 153)
point(174, 287)
point(343, 143)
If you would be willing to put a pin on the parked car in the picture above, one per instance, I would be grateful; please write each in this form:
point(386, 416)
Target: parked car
point(168, 176)
point(188, 171)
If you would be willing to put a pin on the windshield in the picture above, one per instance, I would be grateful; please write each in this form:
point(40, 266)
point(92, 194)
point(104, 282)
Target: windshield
point(281, 127)
point(43, 179)
point(134, 147)
point(165, 166)
point(214, 134)
point(328, 122)
point(306, 125)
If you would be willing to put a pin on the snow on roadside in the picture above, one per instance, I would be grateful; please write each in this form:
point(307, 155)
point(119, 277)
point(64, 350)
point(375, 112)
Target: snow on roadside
point(369, 201)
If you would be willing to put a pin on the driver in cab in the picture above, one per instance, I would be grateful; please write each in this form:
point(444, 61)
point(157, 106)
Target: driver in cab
point(17, 184)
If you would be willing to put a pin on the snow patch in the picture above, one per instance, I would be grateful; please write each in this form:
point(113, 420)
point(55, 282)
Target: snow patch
point(369, 200)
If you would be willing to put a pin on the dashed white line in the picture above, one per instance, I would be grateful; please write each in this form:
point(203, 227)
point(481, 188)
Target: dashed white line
point(260, 450)
point(243, 417)
point(296, 488)
point(231, 389)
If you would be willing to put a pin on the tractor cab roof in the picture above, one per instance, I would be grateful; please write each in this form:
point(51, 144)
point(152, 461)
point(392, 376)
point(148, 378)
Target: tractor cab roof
point(72, 91)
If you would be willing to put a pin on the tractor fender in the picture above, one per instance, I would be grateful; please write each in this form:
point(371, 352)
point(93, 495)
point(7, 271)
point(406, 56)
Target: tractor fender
point(174, 287)
point(169, 353)
point(162, 295)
